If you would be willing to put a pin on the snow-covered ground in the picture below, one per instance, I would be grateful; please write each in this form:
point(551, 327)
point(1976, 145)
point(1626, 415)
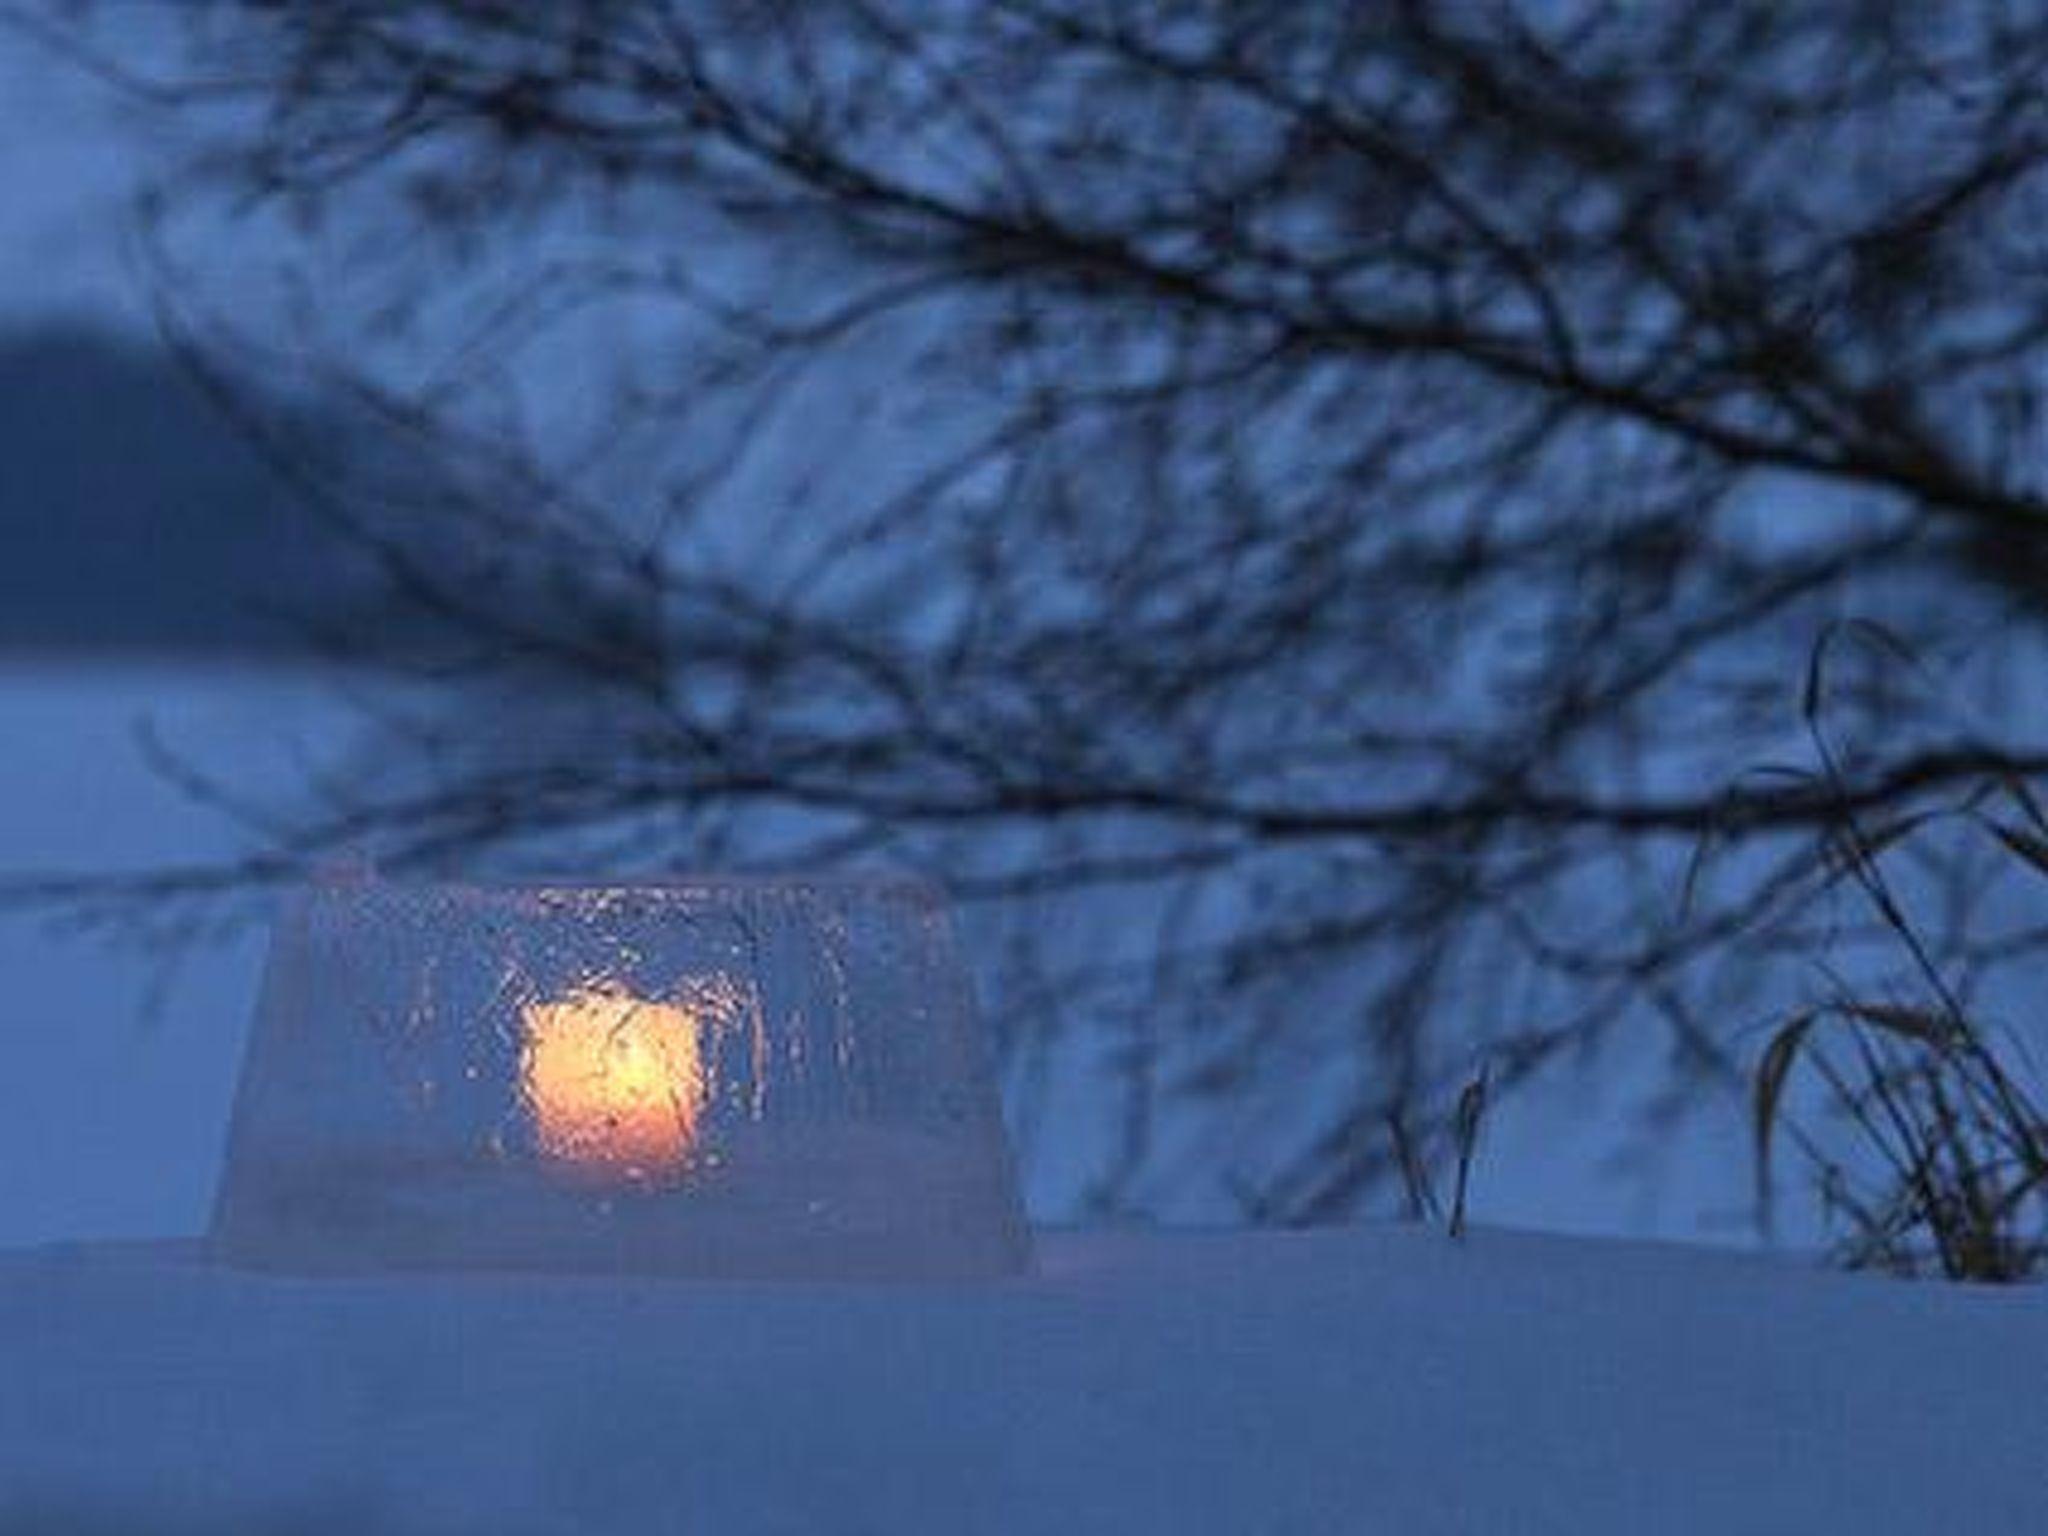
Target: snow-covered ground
point(1357, 1381)
point(1344, 1381)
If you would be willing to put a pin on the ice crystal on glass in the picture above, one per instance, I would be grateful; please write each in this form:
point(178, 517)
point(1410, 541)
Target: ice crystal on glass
point(713, 1077)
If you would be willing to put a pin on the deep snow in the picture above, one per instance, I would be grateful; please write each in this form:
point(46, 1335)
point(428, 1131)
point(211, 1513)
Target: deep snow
point(1350, 1380)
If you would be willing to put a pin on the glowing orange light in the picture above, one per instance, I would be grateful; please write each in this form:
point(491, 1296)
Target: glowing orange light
point(614, 1083)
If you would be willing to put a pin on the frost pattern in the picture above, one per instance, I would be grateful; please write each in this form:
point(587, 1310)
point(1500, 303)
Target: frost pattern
point(719, 1077)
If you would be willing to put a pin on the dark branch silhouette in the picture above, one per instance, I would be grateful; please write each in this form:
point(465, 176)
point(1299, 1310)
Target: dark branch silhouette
point(1313, 516)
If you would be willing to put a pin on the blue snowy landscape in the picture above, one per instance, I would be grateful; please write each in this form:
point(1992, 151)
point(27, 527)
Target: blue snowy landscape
point(1451, 598)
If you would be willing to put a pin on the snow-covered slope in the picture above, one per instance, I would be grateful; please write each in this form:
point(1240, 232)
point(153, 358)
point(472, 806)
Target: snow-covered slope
point(1346, 1381)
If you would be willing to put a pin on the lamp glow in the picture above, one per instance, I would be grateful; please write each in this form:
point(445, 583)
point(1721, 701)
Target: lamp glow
point(713, 1078)
point(614, 1084)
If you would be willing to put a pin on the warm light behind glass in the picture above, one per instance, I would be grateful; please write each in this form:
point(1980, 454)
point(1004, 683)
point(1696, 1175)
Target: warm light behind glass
point(614, 1084)
point(716, 1078)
